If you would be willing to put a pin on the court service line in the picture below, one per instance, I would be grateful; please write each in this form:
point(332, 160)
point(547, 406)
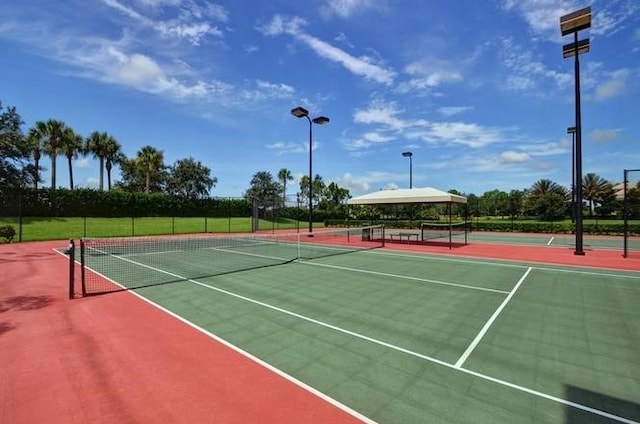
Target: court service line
point(490, 321)
point(550, 241)
point(371, 340)
point(406, 277)
point(365, 271)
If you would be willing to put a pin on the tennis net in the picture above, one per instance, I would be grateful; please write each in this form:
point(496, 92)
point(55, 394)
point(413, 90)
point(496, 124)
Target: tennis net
point(434, 231)
point(114, 264)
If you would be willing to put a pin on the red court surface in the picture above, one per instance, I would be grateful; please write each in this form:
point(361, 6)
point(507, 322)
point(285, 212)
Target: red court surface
point(611, 259)
point(118, 359)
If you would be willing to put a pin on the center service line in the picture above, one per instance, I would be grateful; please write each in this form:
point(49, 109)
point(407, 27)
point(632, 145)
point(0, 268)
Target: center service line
point(490, 321)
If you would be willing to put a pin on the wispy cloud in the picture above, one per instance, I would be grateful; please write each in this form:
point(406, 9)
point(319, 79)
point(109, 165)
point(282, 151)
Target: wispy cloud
point(363, 66)
point(347, 8)
point(543, 16)
point(192, 22)
point(613, 86)
point(429, 74)
point(605, 136)
point(525, 72)
point(388, 117)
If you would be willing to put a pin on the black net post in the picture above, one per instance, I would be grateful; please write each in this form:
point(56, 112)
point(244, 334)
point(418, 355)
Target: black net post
point(626, 210)
point(72, 258)
point(82, 267)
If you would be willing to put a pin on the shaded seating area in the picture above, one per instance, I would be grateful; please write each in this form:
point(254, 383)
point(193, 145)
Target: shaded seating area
point(418, 196)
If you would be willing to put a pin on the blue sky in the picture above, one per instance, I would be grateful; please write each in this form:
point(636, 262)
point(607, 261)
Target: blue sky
point(477, 90)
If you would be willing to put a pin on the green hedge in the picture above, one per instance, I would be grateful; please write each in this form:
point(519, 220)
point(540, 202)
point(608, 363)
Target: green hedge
point(115, 204)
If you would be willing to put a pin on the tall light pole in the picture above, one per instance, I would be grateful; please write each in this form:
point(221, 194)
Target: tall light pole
point(410, 156)
point(571, 24)
point(572, 131)
point(300, 112)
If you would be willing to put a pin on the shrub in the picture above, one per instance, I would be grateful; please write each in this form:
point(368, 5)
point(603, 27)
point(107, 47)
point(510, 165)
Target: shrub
point(7, 233)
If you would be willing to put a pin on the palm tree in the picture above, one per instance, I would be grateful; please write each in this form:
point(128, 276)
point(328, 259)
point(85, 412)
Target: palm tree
point(71, 144)
point(544, 186)
point(52, 133)
point(113, 156)
point(149, 160)
point(594, 188)
point(97, 144)
point(35, 142)
point(284, 175)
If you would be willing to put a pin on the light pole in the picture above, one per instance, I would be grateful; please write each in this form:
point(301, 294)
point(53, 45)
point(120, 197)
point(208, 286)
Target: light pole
point(571, 24)
point(410, 156)
point(300, 112)
point(572, 131)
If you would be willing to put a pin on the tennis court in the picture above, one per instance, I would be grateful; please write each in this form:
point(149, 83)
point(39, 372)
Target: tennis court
point(402, 337)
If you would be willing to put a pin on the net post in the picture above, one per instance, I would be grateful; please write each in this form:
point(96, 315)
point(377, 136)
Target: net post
point(72, 259)
point(82, 268)
point(382, 229)
point(625, 211)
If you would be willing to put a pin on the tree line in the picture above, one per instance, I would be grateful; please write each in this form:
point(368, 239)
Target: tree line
point(21, 154)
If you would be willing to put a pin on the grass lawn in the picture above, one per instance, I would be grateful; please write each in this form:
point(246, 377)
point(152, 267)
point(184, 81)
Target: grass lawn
point(60, 228)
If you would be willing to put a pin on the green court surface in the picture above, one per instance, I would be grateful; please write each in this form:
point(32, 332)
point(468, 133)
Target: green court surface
point(405, 338)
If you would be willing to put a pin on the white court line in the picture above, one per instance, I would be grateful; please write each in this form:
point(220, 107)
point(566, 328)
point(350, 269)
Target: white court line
point(550, 241)
point(490, 321)
point(369, 339)
point(571, 269)
point(406, 277)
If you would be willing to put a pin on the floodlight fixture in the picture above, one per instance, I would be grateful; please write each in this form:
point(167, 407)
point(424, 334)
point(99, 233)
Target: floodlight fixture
point(570, 50)
point(300, 112)
point(575, 21)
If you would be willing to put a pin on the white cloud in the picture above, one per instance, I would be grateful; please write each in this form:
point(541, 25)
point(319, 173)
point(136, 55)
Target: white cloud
point(471, 135)
point(542, 16)
point(347, 8)
point(276, 88)
point(429, 74)
point(380, 113)
point(604, 136)
point(526, 73)
point(282, 147)
point(282, 25)
point(614, 86)
point(82, 162)
point(192, 23)
point(510, 157)
point(362, 66)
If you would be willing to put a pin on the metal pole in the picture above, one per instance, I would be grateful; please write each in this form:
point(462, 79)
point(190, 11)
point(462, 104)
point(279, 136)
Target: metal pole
point(579, 248)
point(625, 212)
point(72, 259)
point(411, 171)
point(310, 175)
point(573, 177)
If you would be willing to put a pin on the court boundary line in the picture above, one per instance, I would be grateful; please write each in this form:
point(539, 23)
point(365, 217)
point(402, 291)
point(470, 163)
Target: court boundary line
point(235, 348)
point(622, 273)
point(537, 393)
point(490, 321)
